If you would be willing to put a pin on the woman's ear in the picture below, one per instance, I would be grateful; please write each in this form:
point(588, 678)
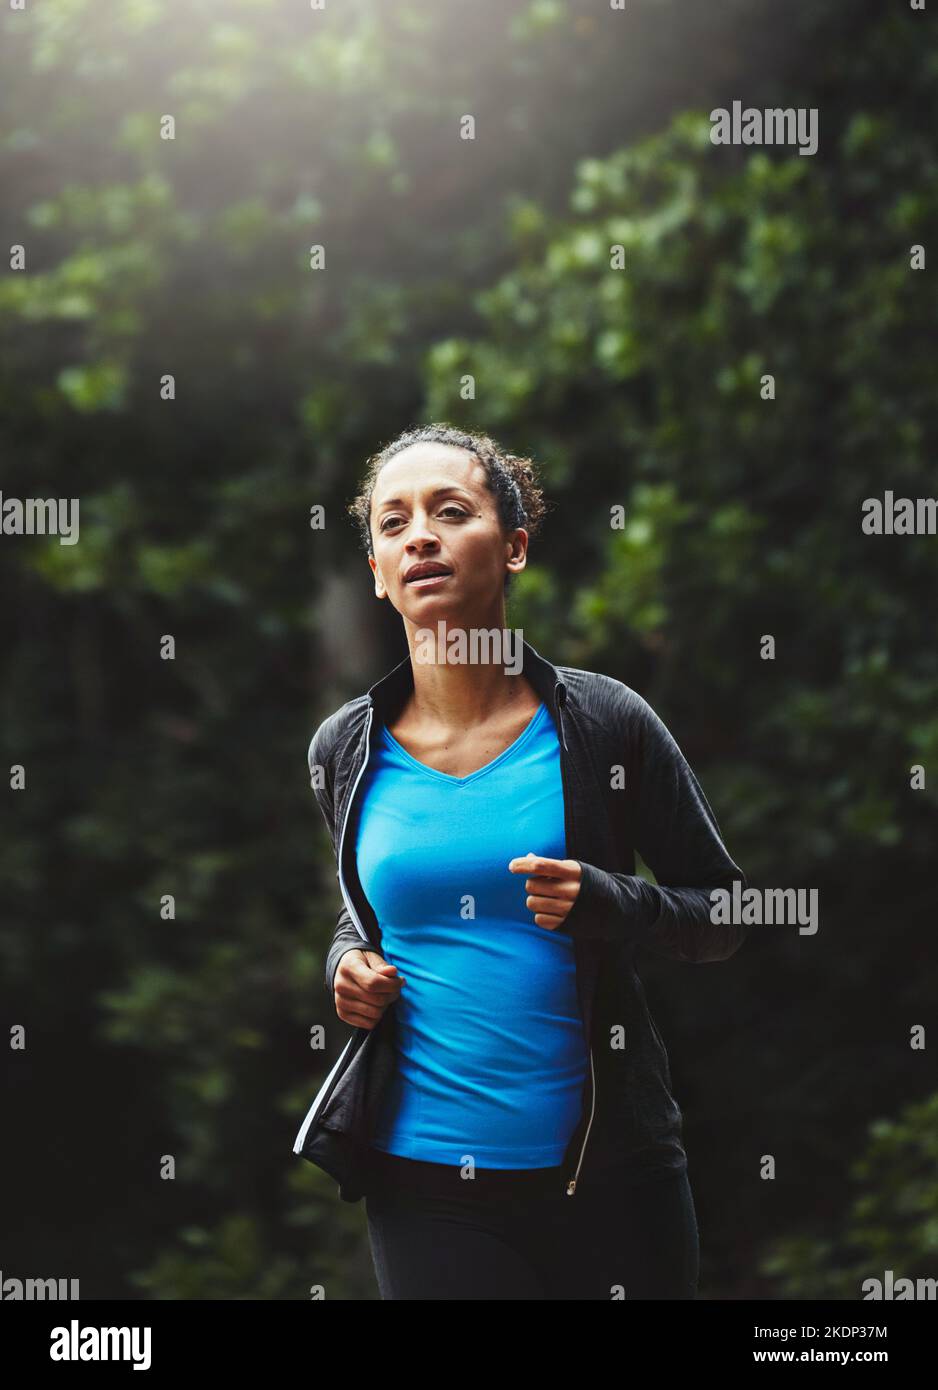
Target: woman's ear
point(518, 558)
point(380, 590)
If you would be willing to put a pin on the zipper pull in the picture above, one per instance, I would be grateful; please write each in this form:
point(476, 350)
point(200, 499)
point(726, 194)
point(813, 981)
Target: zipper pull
point(571, 1187)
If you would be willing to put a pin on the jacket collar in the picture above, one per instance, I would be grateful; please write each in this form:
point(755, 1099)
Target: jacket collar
point(391, 690)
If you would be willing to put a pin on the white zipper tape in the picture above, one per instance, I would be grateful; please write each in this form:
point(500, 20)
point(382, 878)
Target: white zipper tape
point(311, 1112)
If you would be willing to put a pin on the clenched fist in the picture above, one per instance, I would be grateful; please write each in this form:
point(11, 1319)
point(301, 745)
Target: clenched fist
point(365, 984)
point(552, 885)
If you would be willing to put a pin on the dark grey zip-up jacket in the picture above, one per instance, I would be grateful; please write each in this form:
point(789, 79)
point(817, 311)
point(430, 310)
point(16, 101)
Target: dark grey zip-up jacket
point(626, 787)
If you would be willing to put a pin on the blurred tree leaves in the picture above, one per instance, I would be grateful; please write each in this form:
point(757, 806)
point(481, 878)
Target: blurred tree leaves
point(891, 1222)
point(637, 388)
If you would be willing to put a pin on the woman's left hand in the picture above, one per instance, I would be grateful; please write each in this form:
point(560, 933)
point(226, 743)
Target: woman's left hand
point(552, 885)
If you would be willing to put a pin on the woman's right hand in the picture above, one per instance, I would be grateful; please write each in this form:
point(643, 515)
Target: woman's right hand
point(365, 984)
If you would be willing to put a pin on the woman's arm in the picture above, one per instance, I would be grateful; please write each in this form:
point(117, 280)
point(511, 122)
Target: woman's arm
point(346, 936)
point(676, 834)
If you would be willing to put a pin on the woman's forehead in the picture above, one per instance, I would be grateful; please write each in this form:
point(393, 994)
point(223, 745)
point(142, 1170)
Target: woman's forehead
point(435, 467)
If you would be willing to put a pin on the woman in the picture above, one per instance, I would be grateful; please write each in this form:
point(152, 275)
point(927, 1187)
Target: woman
point(504, 1102)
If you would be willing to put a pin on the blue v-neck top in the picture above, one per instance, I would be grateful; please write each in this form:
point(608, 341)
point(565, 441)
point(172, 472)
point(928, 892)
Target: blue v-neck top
point(491, 1053)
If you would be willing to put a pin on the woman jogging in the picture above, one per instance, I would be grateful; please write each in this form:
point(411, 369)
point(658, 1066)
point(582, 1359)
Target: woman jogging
point(504, 1103)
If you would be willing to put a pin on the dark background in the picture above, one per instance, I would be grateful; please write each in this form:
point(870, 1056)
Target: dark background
point(146, 777)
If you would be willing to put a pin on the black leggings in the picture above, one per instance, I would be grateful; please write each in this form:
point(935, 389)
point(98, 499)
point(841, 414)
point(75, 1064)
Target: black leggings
point(516, 1234)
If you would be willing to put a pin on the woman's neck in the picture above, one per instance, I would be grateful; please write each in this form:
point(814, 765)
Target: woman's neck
point(464, 675)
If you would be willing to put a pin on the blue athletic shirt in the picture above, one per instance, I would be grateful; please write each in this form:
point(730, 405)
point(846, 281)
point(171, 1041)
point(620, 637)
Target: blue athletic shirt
point(492, 1055)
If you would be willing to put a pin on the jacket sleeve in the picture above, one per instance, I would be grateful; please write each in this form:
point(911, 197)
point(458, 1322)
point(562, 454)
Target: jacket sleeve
point(676, 834)
point(346, 936)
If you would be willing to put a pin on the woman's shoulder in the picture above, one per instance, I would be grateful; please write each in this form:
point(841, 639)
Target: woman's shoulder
point(335, 729)
point(601, 696)
point(620, 713)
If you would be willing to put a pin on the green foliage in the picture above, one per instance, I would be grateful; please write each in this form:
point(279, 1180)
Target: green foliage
point(638, 388)
point(891, 1223)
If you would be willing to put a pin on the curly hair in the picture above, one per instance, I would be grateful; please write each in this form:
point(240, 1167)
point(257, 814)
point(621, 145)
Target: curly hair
point(512, 480)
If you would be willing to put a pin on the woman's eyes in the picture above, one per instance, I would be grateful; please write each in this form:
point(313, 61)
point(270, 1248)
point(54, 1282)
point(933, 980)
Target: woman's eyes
point(458, 511)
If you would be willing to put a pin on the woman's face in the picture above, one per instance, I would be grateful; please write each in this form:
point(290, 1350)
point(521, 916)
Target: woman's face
point(430, 505)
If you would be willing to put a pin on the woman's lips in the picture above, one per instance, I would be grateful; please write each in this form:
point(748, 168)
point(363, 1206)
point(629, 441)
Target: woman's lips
point(427, 581)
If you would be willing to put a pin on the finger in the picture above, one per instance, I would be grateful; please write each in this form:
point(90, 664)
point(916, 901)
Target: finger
point(553, 887)
point(524, 863)
point(361, 1003)
point(533, 864)
point(552, 906)
point(360, 962)
point(381, 978)
point(379, 991)
point(555, 898)
point(551, 923)
point(356, 1019)
point(368, 985)
point(376, 962)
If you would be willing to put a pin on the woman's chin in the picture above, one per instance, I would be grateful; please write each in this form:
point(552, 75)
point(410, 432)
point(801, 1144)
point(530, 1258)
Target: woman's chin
point(427, 607)
point(456, 616)
point(434, 610)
